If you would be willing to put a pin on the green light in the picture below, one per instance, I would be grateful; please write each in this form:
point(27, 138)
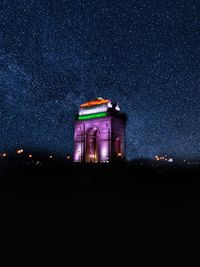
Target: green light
point(92, 116)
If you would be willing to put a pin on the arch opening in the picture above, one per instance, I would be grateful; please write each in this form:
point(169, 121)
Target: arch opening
point(92, 148)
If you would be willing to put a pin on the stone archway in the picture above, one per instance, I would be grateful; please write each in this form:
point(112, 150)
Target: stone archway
point(91, 145)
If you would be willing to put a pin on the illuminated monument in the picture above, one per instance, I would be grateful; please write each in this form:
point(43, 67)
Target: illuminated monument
point(99, 132)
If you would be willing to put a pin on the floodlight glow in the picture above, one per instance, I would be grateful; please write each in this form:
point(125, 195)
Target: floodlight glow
point(98, 101)
point(97, 125)
point(94, 109)
point(117, 107)
point(93, 116)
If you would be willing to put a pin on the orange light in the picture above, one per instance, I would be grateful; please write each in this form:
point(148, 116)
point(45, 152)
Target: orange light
point(94, 103)
point(19, 151)
point(157, 157)
point(119, 154)
point(30, 156)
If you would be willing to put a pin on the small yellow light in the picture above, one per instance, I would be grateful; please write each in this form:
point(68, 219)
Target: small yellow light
point(19, 151)
point(30, 156)
point(119, 154)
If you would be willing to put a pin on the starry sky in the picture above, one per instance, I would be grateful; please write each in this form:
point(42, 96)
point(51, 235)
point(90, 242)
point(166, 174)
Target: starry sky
point(57, 54)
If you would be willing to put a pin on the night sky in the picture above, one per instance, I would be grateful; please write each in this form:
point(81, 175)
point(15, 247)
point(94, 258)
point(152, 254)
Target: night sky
point(57, 54)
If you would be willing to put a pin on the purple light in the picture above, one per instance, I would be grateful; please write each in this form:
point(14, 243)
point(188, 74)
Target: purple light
point(99, 139)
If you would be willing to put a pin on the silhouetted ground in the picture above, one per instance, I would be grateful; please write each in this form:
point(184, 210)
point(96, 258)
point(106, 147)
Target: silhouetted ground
point(60, 214)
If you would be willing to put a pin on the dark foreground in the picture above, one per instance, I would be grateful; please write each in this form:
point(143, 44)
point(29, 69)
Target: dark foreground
point(100, 215)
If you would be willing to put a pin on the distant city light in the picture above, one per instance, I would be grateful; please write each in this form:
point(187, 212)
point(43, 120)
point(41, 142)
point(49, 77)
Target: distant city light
point(30, 156)
point(68, 157)
point(163, 158)
point(4, 155)
point(19, 151)
point(50, 156)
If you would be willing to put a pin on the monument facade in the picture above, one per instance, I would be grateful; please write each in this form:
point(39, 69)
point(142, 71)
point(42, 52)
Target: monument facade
point(99, 134)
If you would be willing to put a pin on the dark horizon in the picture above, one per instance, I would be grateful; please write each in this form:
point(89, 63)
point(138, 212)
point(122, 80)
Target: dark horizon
point(57, 155)
point(90, 214)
